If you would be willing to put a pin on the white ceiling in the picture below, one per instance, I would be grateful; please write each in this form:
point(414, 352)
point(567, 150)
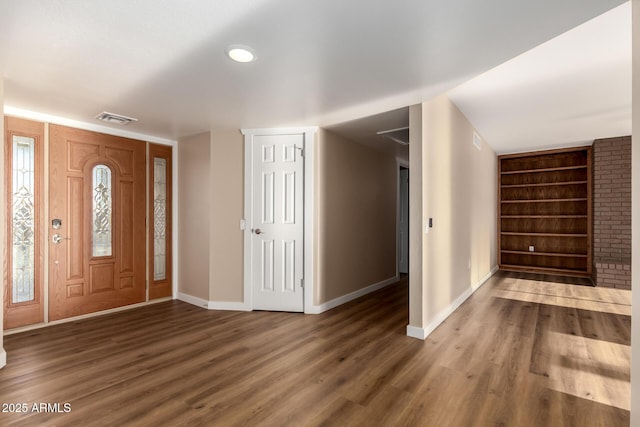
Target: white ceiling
point(365, 131)
point(568, 91)
point(320, 62)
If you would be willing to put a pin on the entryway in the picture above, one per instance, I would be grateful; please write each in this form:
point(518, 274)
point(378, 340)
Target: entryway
point(91, 210)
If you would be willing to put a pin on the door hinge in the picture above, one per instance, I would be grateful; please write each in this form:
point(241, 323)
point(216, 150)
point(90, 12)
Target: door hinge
point(301, 151)
point(302, 283)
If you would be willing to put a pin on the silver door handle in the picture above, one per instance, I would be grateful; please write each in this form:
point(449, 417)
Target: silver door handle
point(257, 231)
point(57, 238)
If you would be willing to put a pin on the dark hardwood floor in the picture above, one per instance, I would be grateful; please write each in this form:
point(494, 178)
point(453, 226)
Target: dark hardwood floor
point(519, 352)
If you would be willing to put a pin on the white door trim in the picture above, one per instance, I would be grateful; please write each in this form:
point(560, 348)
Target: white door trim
point(309, 208)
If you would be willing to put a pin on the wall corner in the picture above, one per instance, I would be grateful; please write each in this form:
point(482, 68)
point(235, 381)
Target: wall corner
point(416, 291)
point(3, 354)
point(635, 213)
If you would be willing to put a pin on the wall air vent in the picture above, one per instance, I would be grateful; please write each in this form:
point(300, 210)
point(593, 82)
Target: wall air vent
point(400, 135)
point(477, 141)
point(115, 118)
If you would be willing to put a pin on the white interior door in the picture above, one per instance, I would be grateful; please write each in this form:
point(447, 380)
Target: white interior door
point(276, 223)
point(403, 223)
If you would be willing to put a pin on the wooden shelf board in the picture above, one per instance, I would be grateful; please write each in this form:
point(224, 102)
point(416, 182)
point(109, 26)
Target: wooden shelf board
point(550, 254)
point(561, 168)
point(581, 199)
point(568, 271)
point(513, 233)
point(543, 216)
point(546, 184)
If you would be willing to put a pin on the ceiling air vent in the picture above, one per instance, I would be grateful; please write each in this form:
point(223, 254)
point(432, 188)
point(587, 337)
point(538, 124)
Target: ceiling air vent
point(115, 118)
point(400, 135)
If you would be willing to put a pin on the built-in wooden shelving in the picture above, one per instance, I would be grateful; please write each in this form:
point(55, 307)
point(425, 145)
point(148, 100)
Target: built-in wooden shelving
point(544, 211)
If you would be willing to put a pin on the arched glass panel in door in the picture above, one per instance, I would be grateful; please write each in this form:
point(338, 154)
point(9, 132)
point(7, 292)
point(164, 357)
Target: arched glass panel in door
point(102, 216)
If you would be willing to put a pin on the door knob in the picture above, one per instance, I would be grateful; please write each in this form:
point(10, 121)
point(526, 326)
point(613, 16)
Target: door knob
point(257, 231)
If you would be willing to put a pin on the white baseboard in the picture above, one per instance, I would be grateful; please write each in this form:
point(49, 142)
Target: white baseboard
point(423, 333)
point(415, 332)
point(317, 309)
point(203, 303)
point(228, 305)
point(3, 358)
point(213, 305)
point(486, 277)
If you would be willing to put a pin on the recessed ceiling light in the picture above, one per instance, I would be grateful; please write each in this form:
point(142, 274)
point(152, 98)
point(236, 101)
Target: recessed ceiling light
point(241, 53)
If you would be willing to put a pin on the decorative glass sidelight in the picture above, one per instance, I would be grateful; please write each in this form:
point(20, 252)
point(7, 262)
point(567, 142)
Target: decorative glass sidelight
point(102, 220)
point(159, 218)
point(23, 221)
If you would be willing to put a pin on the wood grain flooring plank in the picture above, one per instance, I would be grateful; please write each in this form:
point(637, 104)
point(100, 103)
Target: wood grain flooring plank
point(522, 351)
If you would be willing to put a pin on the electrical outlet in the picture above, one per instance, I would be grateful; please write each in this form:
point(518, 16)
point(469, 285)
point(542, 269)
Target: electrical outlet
point(532, 249)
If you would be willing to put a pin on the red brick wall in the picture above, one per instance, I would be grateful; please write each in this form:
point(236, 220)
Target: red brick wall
point(612, 212)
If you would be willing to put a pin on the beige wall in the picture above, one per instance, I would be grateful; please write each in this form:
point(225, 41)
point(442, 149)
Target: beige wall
point(3, 356)
point(356, 217)
point(194, 212)
point(459, 193)
point(415, 216)
point(635, 223)
point(227, 204)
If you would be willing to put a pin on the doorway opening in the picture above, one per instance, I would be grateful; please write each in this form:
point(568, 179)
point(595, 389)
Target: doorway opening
point(403, 218)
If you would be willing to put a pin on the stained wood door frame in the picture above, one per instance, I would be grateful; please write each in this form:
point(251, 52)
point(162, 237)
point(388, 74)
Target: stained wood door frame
point(308, 134)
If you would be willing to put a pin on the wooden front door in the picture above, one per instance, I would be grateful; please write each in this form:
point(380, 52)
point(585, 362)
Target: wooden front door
point(97, 244)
